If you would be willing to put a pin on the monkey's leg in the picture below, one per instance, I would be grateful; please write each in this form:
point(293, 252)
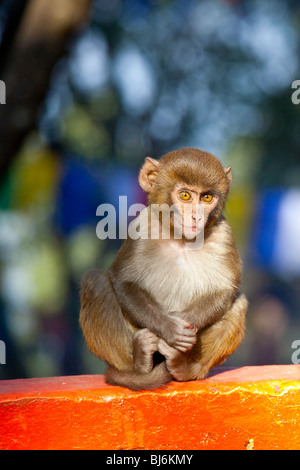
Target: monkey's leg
point(106, 331)
point(214, 345)
point(110, 336)
point(144, 346)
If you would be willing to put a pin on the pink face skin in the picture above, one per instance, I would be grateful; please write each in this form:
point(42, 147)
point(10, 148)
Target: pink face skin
point(196, 204)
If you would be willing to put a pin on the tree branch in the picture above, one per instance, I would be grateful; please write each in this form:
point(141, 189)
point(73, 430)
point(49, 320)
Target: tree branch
point(38, 44)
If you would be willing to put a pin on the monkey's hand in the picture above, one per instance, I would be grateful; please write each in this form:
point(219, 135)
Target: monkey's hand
point(180, 334)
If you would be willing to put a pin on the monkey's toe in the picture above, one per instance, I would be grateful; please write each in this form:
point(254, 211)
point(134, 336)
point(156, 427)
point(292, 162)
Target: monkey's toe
point(166, 350)
point(145, 341)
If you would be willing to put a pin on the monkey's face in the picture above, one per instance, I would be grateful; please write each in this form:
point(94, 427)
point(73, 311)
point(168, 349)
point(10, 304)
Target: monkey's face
point(194, 204)
point(193, 180)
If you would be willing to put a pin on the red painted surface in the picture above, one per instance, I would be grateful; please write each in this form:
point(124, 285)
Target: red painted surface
point(250, 407)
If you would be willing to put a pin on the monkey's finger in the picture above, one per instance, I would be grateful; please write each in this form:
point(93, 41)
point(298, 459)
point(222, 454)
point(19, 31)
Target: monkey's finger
point(189, 325)
point(183, 348)
point(186, 324)
point(187, 338)
point(188, 333)
point(165, 349)
point(184, 344)
point(191, 329)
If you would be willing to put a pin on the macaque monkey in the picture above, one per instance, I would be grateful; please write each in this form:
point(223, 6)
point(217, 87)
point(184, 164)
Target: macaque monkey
point(166, 310)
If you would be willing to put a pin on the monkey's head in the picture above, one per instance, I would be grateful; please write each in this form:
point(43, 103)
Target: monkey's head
point(189, 178)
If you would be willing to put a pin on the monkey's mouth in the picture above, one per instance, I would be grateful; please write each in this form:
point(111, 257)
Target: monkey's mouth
point(191, 230)
point(195, 227)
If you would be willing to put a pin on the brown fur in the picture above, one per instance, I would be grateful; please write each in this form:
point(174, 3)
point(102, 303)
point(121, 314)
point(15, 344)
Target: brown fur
point(158, 296)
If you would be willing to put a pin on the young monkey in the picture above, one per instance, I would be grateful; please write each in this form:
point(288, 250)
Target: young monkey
point(163, 295)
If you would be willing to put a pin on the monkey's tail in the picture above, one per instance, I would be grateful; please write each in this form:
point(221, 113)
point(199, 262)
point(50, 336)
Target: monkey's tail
point(158, 377)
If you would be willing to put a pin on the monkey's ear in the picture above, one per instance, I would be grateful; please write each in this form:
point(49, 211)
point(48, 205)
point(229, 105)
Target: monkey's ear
point(148, 174)
point(228, 174)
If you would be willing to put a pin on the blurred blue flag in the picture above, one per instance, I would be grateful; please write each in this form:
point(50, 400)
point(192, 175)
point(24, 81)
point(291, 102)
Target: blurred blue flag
point(276, 240)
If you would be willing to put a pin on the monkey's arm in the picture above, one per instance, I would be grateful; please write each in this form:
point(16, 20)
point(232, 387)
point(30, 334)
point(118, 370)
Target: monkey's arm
point(208, 308)
point(144, 312)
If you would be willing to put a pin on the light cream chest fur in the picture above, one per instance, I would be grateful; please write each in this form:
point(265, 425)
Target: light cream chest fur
point(175, 275)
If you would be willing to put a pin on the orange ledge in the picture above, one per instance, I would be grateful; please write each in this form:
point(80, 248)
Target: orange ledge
point(246, 408)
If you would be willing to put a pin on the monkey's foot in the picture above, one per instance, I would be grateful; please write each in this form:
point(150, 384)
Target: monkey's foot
point(176, 361)
point(182, 366)
point(144, 346)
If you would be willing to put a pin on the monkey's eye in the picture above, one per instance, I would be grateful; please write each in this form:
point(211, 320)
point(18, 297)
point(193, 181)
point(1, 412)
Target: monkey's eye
point(207, 198)
point(185, 196)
